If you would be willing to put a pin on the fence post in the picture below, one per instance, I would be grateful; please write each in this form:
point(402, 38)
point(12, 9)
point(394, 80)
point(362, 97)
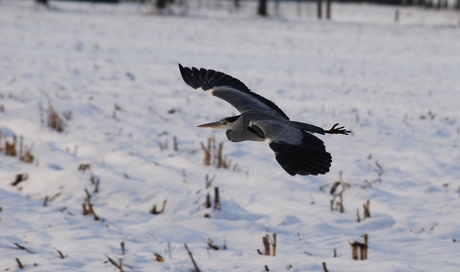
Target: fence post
point(328, 9)
point(320, 11)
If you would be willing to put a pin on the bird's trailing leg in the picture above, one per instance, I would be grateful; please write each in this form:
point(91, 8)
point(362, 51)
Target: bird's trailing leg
point(337, 130)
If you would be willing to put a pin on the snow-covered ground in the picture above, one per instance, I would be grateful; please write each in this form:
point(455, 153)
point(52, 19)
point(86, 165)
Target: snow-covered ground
point(114, 67)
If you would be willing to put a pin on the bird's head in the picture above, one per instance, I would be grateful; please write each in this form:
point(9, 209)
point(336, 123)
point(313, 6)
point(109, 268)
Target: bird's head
point(225, 123)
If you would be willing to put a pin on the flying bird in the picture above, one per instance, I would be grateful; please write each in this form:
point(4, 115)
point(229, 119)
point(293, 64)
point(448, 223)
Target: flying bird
point(296, 149)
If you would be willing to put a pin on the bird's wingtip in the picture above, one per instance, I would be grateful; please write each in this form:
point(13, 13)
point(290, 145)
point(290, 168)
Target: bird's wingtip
point(183, 73)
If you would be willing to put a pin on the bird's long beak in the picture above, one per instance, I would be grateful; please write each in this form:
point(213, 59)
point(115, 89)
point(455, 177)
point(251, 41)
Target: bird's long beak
point(211, 125)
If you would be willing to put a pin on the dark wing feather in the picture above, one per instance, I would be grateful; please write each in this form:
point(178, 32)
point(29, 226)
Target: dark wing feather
point(296, 150)
point(229, 89)
point(308, 158)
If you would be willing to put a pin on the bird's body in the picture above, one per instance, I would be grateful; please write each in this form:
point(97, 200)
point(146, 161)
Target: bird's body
point(296, 149)
point(253, 121)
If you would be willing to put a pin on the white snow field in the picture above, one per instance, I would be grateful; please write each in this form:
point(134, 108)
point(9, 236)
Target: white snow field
point(115, 69)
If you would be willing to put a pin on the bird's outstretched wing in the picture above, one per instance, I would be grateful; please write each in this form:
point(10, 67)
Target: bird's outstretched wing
point(296, 150)
point(229, 89)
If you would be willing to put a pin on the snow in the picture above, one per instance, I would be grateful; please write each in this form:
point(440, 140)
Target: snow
point(114, 67)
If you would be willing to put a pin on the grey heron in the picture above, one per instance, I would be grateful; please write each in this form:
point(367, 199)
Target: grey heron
point(296, 149)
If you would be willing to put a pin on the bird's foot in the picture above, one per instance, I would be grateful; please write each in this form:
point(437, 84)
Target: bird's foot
point(337, 130)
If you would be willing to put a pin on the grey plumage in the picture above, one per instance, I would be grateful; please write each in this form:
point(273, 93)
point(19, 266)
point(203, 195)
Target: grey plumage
point(296, 149)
